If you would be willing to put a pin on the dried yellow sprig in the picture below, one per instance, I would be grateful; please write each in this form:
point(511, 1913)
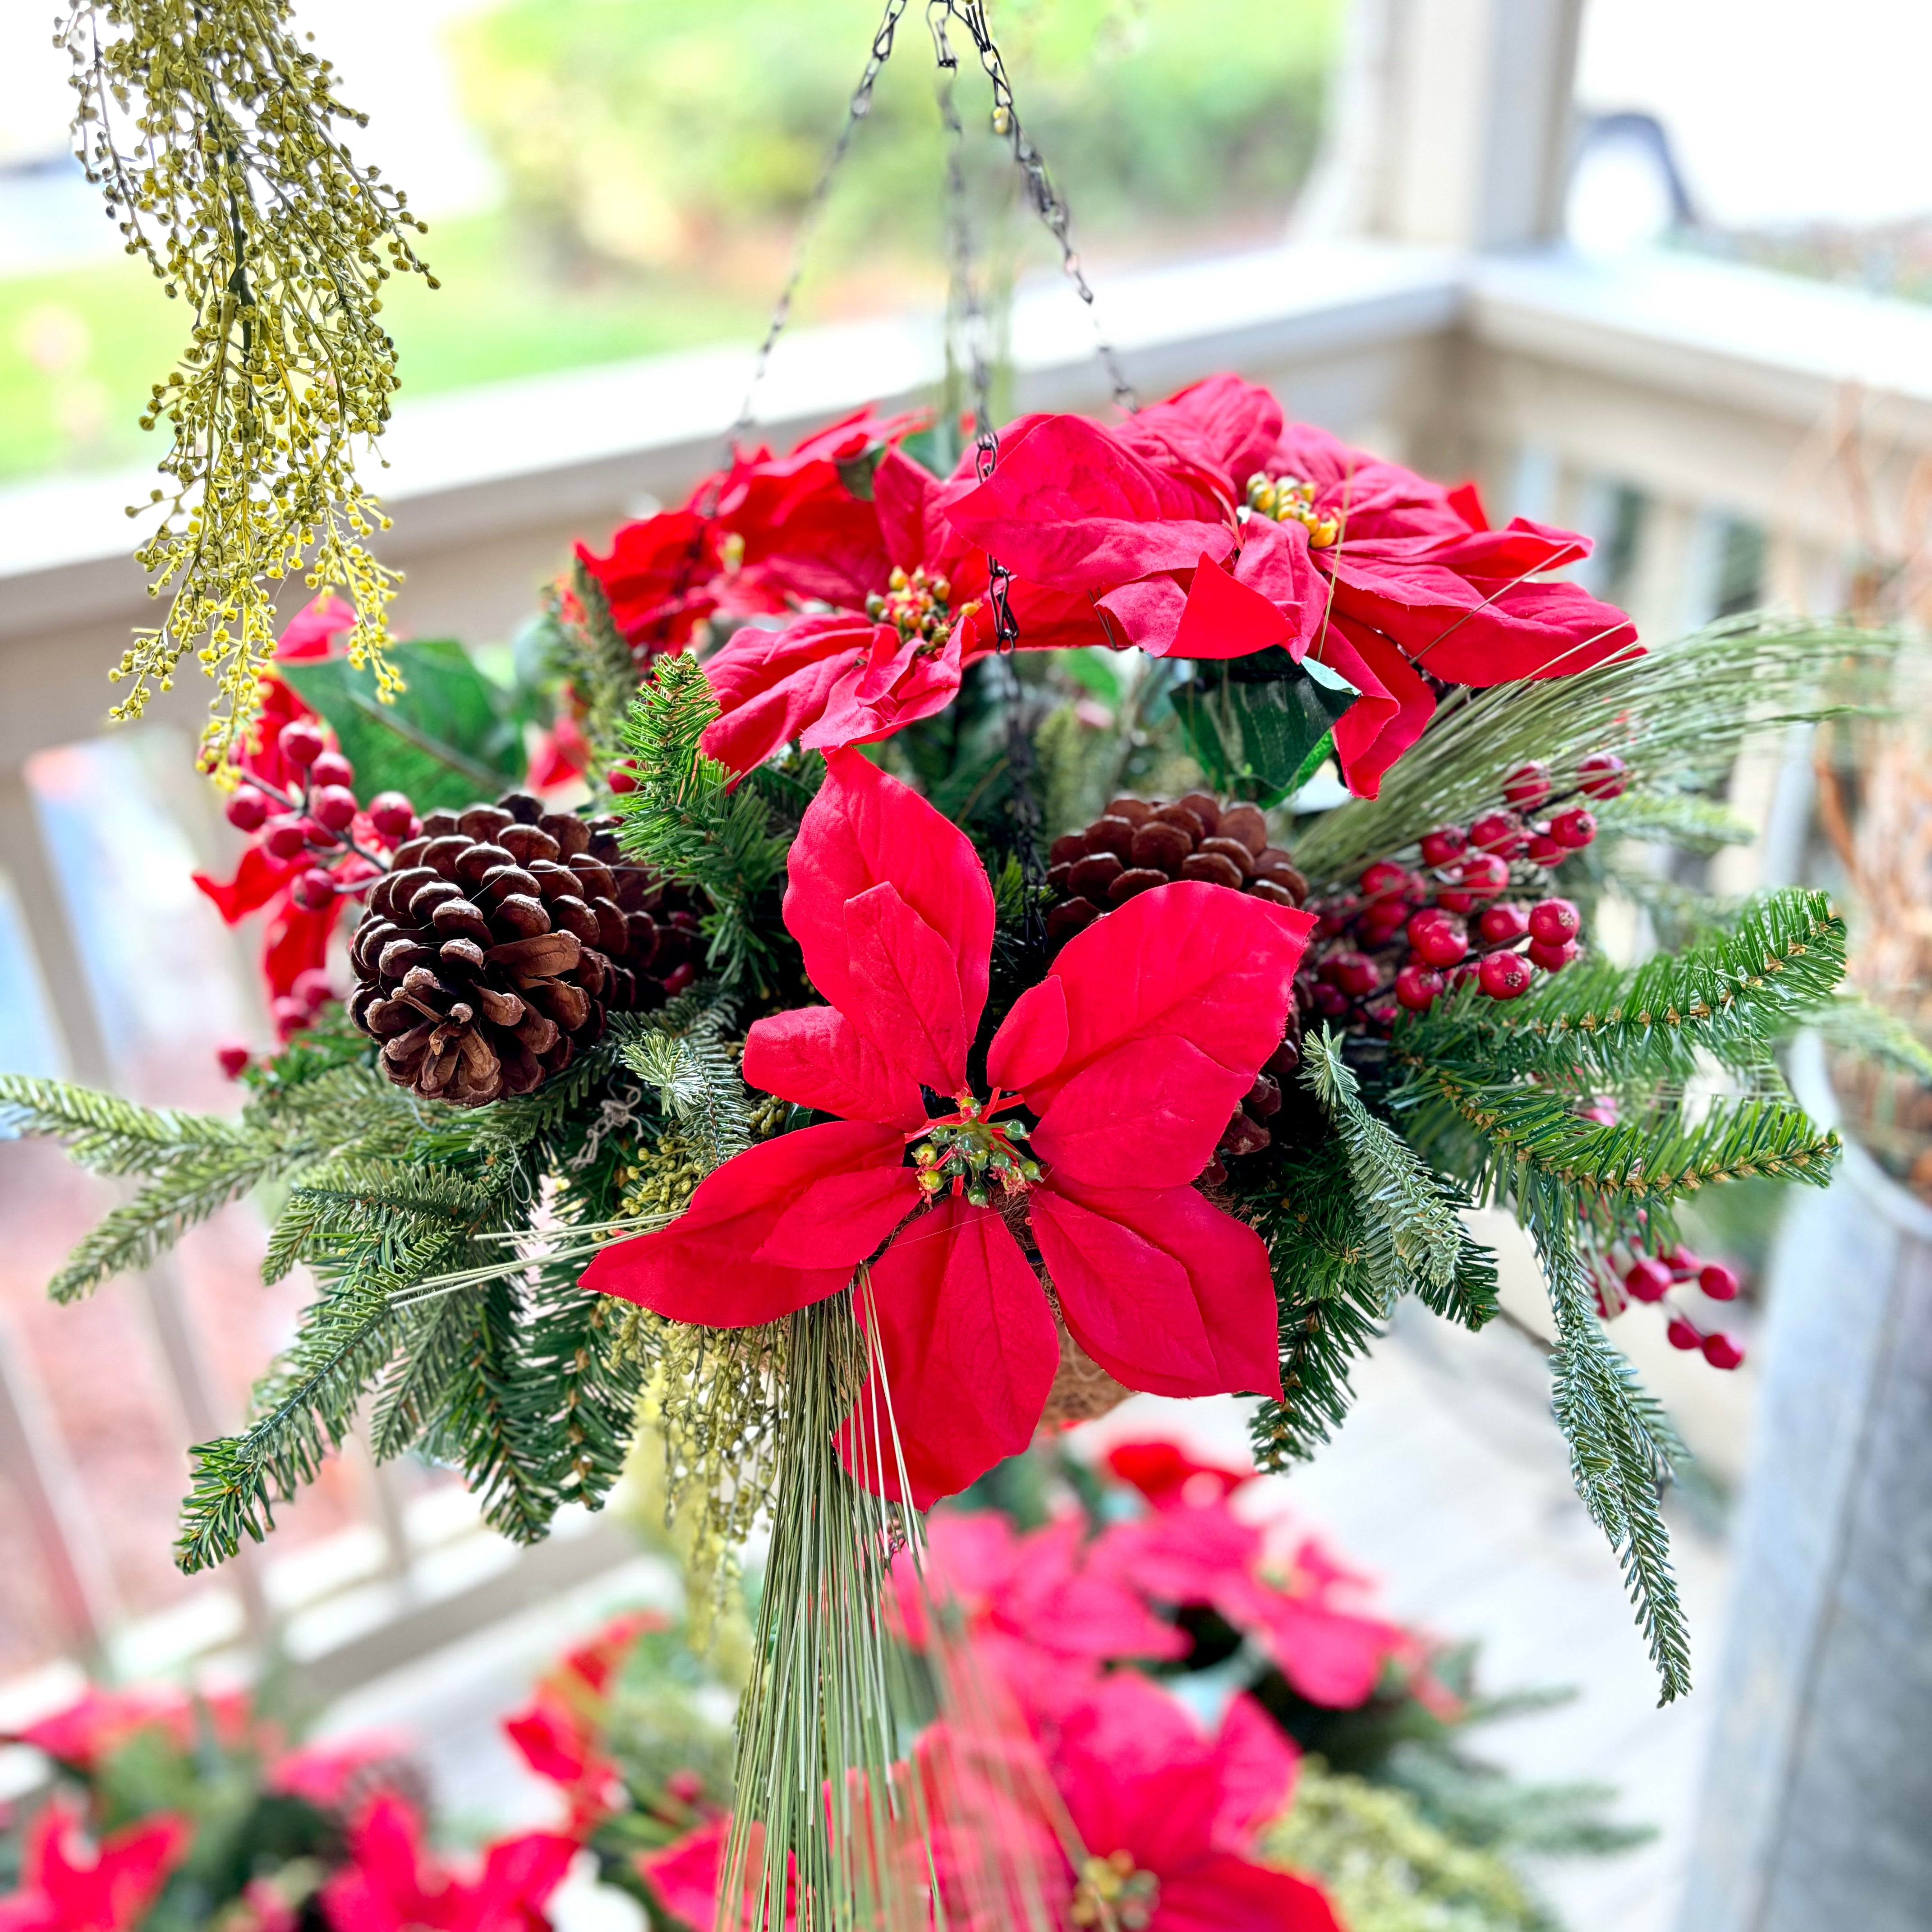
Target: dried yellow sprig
point(208, 126)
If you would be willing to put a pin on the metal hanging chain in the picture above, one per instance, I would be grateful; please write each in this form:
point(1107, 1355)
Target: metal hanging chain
point(856, 109)
point(964, 309)
point(1047, 202)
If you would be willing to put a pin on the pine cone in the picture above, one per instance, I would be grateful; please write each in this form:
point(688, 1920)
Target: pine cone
point(490, 954)
point(1138, 843)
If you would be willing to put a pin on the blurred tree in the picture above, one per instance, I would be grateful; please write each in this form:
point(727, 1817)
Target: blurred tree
point(650, 134)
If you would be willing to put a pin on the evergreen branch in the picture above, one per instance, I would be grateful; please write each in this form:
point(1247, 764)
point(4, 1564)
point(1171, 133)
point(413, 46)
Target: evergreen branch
point(1850, 1023)
point(1520, 1132)
point(1734, 996)
point(106, 1134)
point(130, 1237)
point(602, 668)
point(414, 1390)
point(374, 1209)
point(684, 1056)
point(1683, 819)
point(689, 818)
point(1414, 1239)
point(304, 1407)
point(1329, 1310)
point(1679, 712)
point(1619, 1455)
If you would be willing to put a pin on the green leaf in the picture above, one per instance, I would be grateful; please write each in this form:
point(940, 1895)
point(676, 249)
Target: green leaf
point(1258, 725)
point(1089, 670)
point(449, 740)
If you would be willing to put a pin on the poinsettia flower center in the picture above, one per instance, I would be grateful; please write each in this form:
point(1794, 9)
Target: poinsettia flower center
point(973, 1152)
point(916, 605)
point(1112, 1893)
point(1291, 500)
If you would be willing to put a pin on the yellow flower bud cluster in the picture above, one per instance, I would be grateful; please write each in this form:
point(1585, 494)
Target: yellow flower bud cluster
point(1289, 499)
point(210, 130)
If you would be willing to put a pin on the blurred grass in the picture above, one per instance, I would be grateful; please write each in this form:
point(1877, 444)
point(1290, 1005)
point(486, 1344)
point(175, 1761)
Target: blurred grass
point(656, 156)
point(80, 350)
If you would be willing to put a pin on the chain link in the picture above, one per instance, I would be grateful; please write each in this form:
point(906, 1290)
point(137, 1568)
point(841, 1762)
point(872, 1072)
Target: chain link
point(856, 109)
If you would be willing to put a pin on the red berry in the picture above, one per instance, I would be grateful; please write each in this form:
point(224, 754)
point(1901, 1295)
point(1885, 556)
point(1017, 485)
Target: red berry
point(332, 768)
point(286, 836)
point(1452, 899)
point(1680, 1334)
point(1552, 959)
point(333, 806)
point(1683, 1263)
point(301, 744)
point(1718, 1282)
point(1484, 874)
point(1384, 880)
point(1353, 973)
point(312, 987)
point(1418, 988)
point(621, 779)
point(290, 1016)
point(1330, 1002)
point(314, 889)
point(1383, 1013)
point(1497, 832)
point(1545, 851)
point(1467, 974)
point(1505, 975)
point(233, 1061)
point(678, 979)
point(1441, 941)
point(1503, 925)
point(1552, 921)
point(1335, 917)
point(1602, 1110)
point(1527, 786)
point(1602, 774)
point(1445, 843)
point(392, 815)
point(1648, 1280)
point(1574, 828)
point(247, 811)
point(1721, 1352)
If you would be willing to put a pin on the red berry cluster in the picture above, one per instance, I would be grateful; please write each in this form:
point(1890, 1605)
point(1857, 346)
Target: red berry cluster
point(331, 845)
point(1405, 936)
point(1625, 1275)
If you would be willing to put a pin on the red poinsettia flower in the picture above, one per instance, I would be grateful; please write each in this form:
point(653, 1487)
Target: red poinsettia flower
point(1321, 550)
point(1168, 1817)
point(766, 535)
point(1330, 1653)
point(392, 1884)
point(560, 1733)
point(1130, 1055)
point(686, 1876)
point(67, 1886)
point(898, 652)
point(1166, 1474)
point(1034, 1591)
point(82, 1733)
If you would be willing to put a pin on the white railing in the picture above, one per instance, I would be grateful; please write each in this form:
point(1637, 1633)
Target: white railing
point(1668, 404)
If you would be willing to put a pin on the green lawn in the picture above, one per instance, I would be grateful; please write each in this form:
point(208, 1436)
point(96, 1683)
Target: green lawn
point(80, 350)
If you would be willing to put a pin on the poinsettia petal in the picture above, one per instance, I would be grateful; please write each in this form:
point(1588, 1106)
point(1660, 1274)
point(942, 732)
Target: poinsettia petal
point(863, 830)
point(1533, 630)
point(704, 1268)
point(837, 1214)
point(1223, 1894)
point(1148, 1114)
point(880, 694)
point(907, 983)
point(912, 516)
point(969, 1349)
point(1166, 1292)
point(1392, 711)
point(1146, 614)
point(1032, 1038)
point(1221, 426)
point(257, 880)
point(1224, 618)
point(1190, 962)
point(815, 1057)
point(1070, 506)
point(771, 684)
point(1256, 1762)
